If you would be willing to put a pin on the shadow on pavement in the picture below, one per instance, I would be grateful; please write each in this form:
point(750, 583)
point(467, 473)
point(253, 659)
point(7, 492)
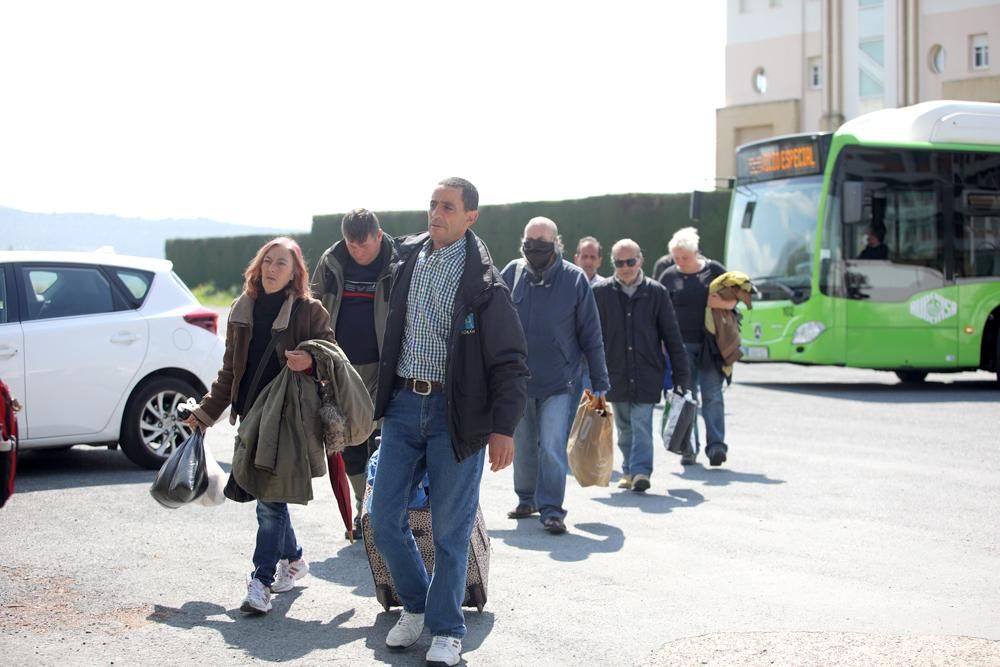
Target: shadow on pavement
point(652, 502)
point(274, 637)
point(348, 567)
point(871, 392)
point(569, 547)
point(724, 476)
point(53, 469)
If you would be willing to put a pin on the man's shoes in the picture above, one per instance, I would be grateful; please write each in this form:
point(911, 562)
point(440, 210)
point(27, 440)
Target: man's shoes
point(554, 526)
point(358, 533)
point(716, 455)
point(406, 631)
point(625, 482)
point(522, 511)
point(444, 651)
point(688, 458)
point(640, 483)
point(288, 573)
point(258, 599)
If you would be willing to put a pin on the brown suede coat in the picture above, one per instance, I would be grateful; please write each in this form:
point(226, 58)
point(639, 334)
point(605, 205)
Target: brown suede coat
point(311, 322)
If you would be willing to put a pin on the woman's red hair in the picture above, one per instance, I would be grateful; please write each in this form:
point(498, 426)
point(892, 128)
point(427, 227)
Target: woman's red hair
point(299, 284)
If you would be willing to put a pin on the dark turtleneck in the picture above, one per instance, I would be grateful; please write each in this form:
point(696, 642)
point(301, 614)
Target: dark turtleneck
point(265, 310)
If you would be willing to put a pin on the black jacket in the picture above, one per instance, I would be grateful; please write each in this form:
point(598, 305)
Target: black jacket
point(635, 330)
point(486, 377)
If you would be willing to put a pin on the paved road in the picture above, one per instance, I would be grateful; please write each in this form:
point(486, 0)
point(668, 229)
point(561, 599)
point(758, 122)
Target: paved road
point(857, 522)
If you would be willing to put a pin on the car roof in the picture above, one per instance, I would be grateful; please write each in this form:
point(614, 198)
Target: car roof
point(105, 258)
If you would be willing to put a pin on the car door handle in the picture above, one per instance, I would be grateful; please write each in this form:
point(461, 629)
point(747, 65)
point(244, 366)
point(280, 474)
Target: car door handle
point(7, 351)
point(124, 338)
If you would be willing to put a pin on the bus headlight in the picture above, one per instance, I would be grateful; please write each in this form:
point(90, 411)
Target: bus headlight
point(808, 332)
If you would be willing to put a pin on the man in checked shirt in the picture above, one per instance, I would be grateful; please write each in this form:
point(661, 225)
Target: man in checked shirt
point(452, 386)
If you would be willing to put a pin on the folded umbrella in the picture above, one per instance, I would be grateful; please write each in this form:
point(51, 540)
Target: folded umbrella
point(341, 490)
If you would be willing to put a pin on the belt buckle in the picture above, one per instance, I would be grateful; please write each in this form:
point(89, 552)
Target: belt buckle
point(426, 383)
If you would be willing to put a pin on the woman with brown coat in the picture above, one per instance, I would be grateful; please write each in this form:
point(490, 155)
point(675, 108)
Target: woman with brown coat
point(276, 301)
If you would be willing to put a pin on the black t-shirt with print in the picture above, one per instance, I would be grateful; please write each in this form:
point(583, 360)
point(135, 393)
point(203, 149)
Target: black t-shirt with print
point(689, 293)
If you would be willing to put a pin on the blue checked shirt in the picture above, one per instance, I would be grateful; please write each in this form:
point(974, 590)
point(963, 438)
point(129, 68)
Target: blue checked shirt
point(429, 309)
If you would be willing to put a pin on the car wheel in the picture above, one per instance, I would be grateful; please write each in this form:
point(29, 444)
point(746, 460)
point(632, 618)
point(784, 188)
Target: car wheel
point(911, 377)
point(152, 428)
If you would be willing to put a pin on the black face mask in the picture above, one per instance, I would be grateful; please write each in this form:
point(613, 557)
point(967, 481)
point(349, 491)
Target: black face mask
point(538, 253)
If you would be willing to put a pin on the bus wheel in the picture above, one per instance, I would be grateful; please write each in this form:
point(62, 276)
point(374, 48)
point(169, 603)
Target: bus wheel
point(911, 377)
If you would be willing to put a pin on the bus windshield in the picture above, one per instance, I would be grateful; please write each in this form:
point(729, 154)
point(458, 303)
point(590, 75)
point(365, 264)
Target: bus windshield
point(772, 234)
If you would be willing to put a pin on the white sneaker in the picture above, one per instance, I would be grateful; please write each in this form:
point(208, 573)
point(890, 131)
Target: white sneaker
point(288, 574)
point(406, 631)
point(445, 651)
point(258, 599)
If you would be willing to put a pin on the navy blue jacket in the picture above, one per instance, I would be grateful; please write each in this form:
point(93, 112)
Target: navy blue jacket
point(559, 318)
point(486, 369)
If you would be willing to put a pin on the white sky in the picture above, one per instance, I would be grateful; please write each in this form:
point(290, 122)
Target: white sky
point(268, 113)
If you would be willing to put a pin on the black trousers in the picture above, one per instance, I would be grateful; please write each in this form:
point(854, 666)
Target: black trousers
point(356, 458)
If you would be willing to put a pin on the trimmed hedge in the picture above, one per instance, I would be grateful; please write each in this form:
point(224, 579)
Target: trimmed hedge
point(648, 219)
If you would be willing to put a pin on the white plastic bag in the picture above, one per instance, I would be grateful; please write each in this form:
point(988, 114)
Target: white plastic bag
point(678, 430)
point(216, 481)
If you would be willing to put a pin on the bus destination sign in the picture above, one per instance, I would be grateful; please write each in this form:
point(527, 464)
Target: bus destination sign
point(783, 158)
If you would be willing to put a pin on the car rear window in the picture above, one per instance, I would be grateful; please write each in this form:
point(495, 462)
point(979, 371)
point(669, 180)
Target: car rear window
point(136, 282)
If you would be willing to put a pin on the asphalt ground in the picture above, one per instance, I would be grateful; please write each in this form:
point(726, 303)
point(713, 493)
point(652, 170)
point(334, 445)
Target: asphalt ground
point(856, 523)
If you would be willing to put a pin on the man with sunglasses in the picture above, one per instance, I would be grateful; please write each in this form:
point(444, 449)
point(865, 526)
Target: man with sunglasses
point(637, 320)
point(556, 306)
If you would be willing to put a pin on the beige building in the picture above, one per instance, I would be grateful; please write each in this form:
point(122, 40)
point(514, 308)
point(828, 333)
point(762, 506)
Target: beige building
point(810, 65)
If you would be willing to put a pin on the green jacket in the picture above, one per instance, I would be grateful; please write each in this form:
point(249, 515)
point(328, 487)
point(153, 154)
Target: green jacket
point(279, 444)
point(328, 283)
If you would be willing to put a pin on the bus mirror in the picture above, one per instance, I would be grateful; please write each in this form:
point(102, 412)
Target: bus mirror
point(695, 210)
point(852, 207)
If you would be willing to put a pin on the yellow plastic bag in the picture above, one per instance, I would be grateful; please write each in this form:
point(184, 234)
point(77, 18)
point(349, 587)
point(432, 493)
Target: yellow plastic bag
point(591, 442)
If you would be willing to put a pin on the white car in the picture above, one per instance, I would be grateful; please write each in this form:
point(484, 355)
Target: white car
point(101, 348)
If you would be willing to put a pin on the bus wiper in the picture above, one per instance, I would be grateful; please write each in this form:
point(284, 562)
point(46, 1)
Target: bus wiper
point(794, 295)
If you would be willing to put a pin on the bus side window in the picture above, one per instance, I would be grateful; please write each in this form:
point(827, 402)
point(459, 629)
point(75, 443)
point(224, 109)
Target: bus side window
point(977, 219)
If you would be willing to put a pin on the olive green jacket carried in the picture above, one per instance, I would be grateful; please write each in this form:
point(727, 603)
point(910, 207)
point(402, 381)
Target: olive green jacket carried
point(279, 444)
point(311, 321)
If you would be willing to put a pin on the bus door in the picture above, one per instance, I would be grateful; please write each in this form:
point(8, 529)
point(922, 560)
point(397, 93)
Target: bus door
point(902, 303)
point(977, 248)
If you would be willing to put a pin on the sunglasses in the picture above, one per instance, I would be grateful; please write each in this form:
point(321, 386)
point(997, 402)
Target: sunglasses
point(631, 261)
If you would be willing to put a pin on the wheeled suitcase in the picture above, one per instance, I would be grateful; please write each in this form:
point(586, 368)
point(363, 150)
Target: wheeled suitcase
point(420, 523)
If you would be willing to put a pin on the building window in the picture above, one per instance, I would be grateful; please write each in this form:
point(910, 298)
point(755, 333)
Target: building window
point(759, 81)
point(936, 58)
point(745, 6)
point(871, 55)
point(815, 69)
point(980, 51)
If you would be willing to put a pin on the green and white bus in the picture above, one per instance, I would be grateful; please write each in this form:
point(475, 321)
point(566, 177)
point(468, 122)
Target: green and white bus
point(876, 246)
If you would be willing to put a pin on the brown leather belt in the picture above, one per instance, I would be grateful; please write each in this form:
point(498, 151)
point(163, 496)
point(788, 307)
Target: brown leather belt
point(417, 386)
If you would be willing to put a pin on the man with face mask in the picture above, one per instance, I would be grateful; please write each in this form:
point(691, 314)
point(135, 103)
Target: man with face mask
point(559, 316)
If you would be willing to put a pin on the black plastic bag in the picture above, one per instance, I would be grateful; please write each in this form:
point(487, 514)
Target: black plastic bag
point(184, 476)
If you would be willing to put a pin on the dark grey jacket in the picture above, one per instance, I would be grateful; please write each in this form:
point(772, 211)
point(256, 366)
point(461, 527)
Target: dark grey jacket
point(486, 374)
point(635, 329)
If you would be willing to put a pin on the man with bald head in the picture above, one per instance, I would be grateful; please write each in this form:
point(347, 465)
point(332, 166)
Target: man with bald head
point(638, 321)
point(559, 317)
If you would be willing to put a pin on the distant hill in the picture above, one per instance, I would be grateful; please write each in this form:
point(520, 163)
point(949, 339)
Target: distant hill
point(21, 230)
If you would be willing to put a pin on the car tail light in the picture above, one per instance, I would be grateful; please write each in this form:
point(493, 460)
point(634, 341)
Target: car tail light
point(204, 318)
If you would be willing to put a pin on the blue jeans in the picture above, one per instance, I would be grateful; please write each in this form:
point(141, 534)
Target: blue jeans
point(275, 540)
point(634, 423)
point(708, 378)
point(540, 463)
point(415, 442)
